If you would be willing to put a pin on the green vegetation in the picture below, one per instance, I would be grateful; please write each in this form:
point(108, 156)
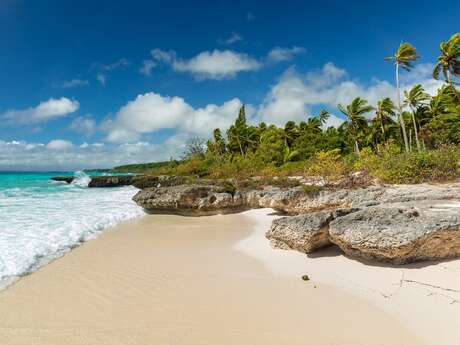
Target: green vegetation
point(140, 168)
point(415, 140)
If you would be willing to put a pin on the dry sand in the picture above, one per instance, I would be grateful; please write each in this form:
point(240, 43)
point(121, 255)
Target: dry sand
point(168, 280)
point(424, 296)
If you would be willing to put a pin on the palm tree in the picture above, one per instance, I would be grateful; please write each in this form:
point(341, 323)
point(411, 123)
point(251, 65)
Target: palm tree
point(237, 133)
point(404, 56)
point(415, 98)
point(384, 113)
point(449, 60)
point(291, 132)
point(313, 124)
point(323, 116)
point(355, 112)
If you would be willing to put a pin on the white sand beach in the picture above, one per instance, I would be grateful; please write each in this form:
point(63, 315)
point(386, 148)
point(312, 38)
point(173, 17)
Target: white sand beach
point(214, 280)
point(423, 296)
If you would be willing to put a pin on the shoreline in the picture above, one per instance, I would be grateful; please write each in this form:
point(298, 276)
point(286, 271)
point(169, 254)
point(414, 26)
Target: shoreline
point(170, 279)
point(424, 296)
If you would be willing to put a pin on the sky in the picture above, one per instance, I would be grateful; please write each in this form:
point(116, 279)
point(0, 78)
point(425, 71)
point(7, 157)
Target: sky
point(86, 84)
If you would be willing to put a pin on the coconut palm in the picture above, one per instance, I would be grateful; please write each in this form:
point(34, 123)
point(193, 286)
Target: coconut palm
point(291, 132)
point(323, 116)
point(404, 57)
point(449, 60)
point(415, 98)
point(355, 112)
point(384, 114)
point(314, 124)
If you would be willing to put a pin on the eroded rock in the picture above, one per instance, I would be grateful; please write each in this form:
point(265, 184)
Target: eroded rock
point(190, 200)
point(400, 232)
point(304, 233)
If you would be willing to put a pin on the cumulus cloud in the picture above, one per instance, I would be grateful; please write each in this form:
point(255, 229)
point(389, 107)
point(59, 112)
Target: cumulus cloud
point(152, 112)
point(295, 95)
point(147, 66)
point(216, 64)
point(59, 145)
point(223, 64)
point(67, 84)
point(279, 54)
point(62, 154)
point(45, 111)
point(85, 125)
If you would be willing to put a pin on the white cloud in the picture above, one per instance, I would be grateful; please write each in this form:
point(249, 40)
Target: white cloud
point(45, 111)
point(152, 112)
point(64, 155)
point(234, 37)
point(421, 71)
point(123, 62)
point(101, 78)
point(74, 83)
point(83, 124)
point(216, 64)
point(59, 144)
point(104, 69)
point(147, 66)
point(294, 95)
point(279, 54)
point(223, 64)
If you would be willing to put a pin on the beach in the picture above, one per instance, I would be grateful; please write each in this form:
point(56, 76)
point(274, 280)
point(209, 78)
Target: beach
point(164, 279)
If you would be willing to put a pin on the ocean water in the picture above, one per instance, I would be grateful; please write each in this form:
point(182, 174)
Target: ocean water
point(41, 219)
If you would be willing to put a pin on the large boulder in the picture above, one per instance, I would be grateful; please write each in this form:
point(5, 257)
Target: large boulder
point(305, 233)
point(194, 200)
point(400, 232)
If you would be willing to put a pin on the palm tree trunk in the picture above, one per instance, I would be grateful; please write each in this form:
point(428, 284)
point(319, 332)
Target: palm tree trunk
point(410, 138)
point(415, 130)
point(239, 144)
point(356, 147)
point(401, 120)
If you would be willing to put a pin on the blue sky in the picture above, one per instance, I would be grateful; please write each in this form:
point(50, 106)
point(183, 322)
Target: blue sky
point(97, 83)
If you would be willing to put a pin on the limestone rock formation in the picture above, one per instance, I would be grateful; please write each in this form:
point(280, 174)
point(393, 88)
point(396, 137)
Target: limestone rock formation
point(190, 200)
point(306, 232)
point(401, 232)
point(139, 181)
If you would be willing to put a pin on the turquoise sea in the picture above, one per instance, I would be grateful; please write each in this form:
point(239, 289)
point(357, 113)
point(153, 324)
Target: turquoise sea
point(41, 219)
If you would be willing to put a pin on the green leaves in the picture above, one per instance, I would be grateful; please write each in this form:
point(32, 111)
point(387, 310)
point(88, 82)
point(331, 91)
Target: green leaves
point(404, 56)
point(416, 96)
point(449, 59)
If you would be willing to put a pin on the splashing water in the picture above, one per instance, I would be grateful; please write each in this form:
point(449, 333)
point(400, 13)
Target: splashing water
point(81, 179)
point(41, 220)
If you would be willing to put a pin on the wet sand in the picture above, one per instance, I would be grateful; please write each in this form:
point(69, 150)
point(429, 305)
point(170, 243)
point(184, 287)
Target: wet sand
point(171, 280)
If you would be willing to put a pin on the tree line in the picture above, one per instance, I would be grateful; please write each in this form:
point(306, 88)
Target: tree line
point(417, 121)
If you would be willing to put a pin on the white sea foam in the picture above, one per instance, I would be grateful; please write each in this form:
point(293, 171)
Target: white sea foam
point(81, 179)
point(37, 225)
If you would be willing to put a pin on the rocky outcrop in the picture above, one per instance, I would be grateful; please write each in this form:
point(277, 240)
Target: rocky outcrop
point(305, 233)
point(327, 199)
point(67, 179)
point(398, 224)
point(138, 181)
point(401, 232)
point(196, 200)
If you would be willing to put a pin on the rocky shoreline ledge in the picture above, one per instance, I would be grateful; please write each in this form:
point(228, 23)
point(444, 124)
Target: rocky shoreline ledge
point(390, 223)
